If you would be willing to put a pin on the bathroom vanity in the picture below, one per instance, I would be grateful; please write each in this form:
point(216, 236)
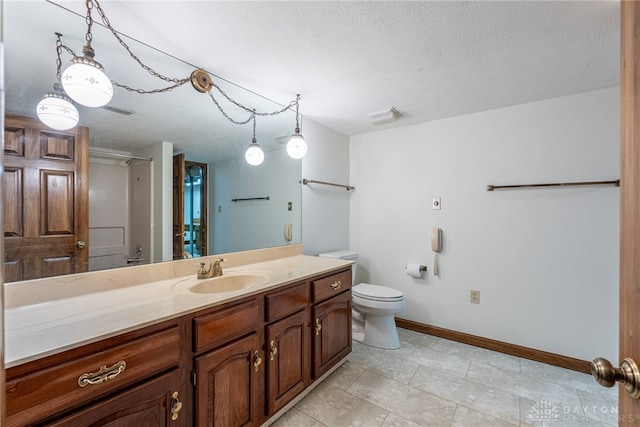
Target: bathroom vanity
point(228, 356)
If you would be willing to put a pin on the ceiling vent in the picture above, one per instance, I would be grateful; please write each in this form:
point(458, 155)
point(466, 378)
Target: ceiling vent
point(386, 116)
point(117, 110)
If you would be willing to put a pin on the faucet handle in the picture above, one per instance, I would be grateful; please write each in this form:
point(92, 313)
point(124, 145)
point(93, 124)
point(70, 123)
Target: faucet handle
point(204, 272)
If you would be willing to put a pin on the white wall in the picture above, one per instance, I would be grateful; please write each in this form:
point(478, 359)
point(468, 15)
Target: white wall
point(109, 199)
point(325, 210)
point(544, 260)
point(140, 213)
point(162, 176)
point(119, 212)
point(243, 225)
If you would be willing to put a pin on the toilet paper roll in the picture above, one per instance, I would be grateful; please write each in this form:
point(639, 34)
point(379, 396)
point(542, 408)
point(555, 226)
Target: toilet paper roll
point(413, 270)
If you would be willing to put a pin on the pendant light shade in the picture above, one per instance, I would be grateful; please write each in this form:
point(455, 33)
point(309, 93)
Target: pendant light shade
point(296, 147)
point(254, 154)
point(56, 110)
point(85, 81)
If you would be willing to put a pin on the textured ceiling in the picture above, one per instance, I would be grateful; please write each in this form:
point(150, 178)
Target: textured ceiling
point(429, 60)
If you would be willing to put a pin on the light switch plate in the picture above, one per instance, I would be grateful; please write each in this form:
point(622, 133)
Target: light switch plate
point(474, 297)
point(436, 204)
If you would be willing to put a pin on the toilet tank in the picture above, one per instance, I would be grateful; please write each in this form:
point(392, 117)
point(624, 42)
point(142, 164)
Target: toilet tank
point(346, 255)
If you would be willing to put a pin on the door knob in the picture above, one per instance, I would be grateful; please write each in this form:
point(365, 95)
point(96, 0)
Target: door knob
point(628, 374)
point(80, 244)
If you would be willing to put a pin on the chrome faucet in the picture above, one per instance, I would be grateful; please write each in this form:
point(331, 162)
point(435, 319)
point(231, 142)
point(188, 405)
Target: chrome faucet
point(214, 270)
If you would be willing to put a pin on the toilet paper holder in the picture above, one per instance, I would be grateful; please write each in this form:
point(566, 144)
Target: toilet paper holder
point(415, 270)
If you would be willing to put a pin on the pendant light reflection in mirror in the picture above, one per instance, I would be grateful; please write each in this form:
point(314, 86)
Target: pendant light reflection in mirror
point(85, 82)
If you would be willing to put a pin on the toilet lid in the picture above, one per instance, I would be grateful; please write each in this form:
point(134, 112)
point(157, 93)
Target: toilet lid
point(377, 293)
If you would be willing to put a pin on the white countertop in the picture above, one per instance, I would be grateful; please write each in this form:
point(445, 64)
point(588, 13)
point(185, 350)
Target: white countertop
point(42, 329)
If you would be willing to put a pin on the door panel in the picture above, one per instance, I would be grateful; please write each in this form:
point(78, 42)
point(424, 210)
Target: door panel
point(629, 196)
point(287, 359)
point(12, 187)
point(45, 199)
point(332, 336)
point(227, 386)
point(56, 203)
point(178, 206)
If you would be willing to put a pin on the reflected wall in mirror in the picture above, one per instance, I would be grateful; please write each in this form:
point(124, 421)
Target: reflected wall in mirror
point(130, 197)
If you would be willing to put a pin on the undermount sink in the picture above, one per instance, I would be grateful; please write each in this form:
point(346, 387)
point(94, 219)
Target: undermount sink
point(229, 283)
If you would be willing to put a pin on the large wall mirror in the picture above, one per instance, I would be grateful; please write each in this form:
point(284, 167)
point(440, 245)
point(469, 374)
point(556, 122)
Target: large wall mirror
point(132, 142)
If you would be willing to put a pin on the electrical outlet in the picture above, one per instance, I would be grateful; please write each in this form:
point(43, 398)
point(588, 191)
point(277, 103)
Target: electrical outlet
point(474, 297)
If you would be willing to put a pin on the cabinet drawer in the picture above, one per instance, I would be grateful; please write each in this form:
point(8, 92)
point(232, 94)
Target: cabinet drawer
point(287, 301)
point(49, 391)
point(330, 286)
point(148, 404)
point(218, 328)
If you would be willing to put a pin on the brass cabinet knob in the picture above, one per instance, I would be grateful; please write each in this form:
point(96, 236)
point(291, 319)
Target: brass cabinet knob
point(336, 285)
point(273, 350)
point(318, 326)
point(80, 244)
point(176, 406)
point(257, 361)
point(627, 374)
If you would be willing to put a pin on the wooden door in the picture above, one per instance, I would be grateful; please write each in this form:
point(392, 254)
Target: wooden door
point(287, 356)
point(228, 386)
point(152, 404)
point(45, 200)
point(178, 206)
point(200, 229)
point(629, 408)
point(332, 332)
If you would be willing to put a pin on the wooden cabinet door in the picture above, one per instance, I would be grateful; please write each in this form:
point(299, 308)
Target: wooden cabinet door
point(287, 356)
point(331, 326)
point(228, 385)
point(151, 404)
point(45, 200)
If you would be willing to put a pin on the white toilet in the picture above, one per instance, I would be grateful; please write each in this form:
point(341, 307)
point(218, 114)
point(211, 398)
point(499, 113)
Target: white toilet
point(373, 309)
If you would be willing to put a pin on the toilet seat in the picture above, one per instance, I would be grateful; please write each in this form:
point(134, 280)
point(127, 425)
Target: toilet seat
point(378, 293)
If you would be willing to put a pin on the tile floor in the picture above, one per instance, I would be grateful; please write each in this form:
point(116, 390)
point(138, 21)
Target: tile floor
point(432, 381)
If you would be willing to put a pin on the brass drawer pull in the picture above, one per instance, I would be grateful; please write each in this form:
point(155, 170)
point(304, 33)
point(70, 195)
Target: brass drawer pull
point(336, 285)
point(273, 350)
point(257, 361)
point(176, 406)
point(318, 326)
point(103, 374)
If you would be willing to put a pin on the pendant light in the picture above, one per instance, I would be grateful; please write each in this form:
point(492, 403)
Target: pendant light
point(55, 109)
point(296, 147)
point(254, 154)
point(84, 80)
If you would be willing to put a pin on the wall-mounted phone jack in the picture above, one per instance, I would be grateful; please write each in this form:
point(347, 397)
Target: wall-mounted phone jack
point(436, 203)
